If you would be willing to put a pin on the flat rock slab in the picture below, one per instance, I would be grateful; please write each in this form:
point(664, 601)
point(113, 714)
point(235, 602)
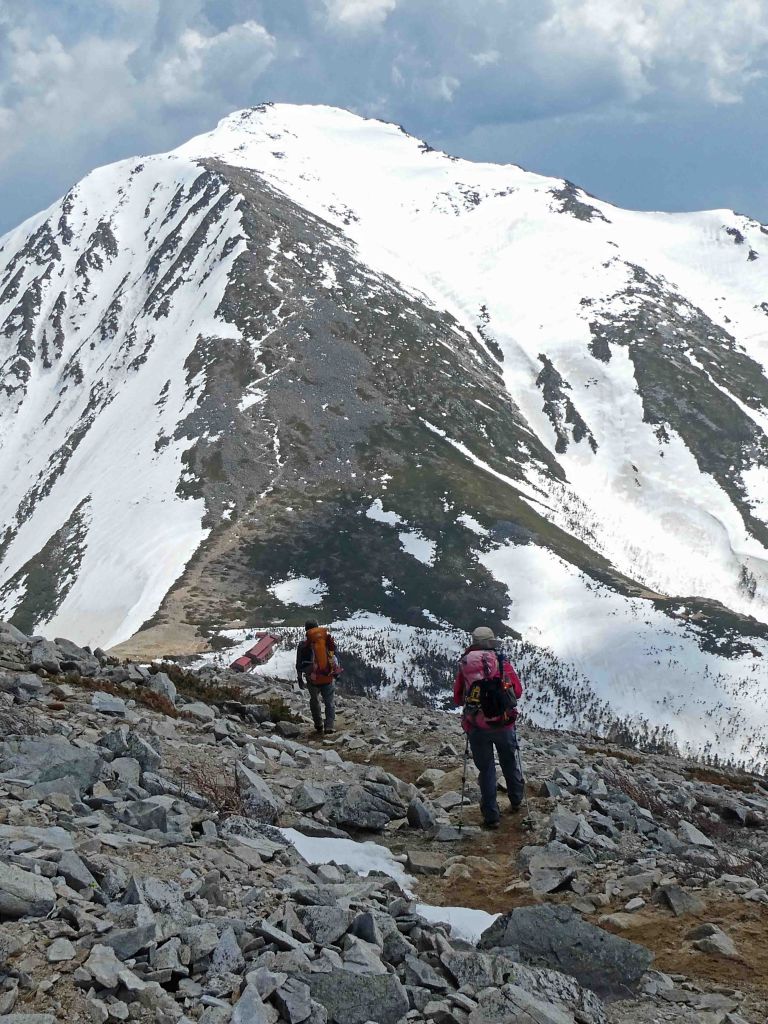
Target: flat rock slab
point(556, 937)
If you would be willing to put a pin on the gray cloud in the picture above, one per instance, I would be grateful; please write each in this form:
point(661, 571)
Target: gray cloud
point(85, 81)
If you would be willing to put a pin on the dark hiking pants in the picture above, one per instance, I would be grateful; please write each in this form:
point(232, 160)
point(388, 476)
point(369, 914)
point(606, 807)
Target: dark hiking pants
point(326, 692)
point(482, 743)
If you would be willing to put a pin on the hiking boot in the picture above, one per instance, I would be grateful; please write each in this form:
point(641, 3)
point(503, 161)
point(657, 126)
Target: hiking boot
point(514, 808)
point(491, 823)
point(329, 729)
point(319, 730)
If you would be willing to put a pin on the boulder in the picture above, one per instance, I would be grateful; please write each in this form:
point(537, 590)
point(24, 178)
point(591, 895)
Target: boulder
point(709, 938)
point(103, 966)
point(227, 957)
point(680, 902)
point(162, 684)
point(353, 998)
point(422, 863)
point(262, 803)
point(124, 742)
point(53, 759)
point(108, 704)
point(46, 655)
point(694, 836)
point(75, 873)
point(308, 797)
point(202, 712)
point(59, 951)
point(420, 815)
point(325, 925)
point(250, 1008)
point(556, 937)
point(369, 806)
point(23, 894)
point(512, 1003)
point(430, 778)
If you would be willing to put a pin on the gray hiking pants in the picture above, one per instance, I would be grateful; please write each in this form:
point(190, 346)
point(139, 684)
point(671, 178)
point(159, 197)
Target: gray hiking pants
point(327, 693)
point(483, 743)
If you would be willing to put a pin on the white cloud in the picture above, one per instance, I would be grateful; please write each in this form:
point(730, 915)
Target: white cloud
point(145, 74)
point(359, 13)
point(713, 49)
point(486, 58)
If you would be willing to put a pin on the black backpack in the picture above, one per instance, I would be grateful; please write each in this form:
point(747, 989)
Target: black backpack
point(487, 690)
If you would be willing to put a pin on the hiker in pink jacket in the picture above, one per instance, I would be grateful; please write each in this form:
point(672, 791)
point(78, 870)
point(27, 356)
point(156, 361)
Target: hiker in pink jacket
point(488, 688)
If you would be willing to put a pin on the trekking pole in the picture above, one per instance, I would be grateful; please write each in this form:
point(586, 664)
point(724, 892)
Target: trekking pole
point(525, 788)
point(463, 783)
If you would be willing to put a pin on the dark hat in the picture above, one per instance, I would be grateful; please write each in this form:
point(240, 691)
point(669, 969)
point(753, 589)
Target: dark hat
point(311, 624)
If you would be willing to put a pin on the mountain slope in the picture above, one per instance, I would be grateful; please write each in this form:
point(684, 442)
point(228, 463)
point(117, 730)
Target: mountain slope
point(307, 362)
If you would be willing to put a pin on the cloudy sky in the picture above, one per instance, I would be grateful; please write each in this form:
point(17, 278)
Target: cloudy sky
point(648, 103)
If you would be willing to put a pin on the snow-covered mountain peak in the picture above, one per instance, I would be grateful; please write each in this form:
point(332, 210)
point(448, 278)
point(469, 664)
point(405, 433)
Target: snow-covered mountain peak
point(307, 347)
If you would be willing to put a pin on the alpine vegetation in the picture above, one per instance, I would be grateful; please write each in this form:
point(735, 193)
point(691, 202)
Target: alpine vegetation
point(305, 364)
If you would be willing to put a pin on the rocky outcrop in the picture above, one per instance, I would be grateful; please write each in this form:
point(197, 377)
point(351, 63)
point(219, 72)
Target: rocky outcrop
point(557, 937)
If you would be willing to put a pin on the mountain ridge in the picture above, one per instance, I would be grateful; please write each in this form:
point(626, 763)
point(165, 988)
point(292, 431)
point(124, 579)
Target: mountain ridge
point(306, 346)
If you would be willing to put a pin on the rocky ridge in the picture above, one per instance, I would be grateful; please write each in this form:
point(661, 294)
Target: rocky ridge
point(164, 856)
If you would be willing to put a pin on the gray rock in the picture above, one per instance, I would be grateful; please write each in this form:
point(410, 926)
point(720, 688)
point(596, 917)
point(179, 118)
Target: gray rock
point(227, 957)
point(424, 863)
point(127, 942)
point(75, 873)
point(365, 927)
point(45, 654)
point(127, 770)
point(262, 803)
point(362, 957)
point(202, 939)
point(419, 972)
point(250, 1008)
point(294, 1001)
point(54, 758)
point(681, 902)
point(108, 704)
point(420, 815)
point(266, 981)
point(709, 938)
point(556, 937)
point(693, 836)
point(325, 925)
point(357, 998)
point(369, 806)
point(23, 894)
point(54, 836)
point(103, 966)
point(60, 949)
point(167, 957)
point(161, 683)
point(308, 797)
point(13, 635)
point(476, 969)
point(202, 712)
point(512, 1003)
point(124, 742)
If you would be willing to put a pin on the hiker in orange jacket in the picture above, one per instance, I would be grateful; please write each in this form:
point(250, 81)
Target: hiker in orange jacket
point(316, 667)
point(484, 686)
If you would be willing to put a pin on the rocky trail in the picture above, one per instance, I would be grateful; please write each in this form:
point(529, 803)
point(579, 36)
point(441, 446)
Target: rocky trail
point(179, 846)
